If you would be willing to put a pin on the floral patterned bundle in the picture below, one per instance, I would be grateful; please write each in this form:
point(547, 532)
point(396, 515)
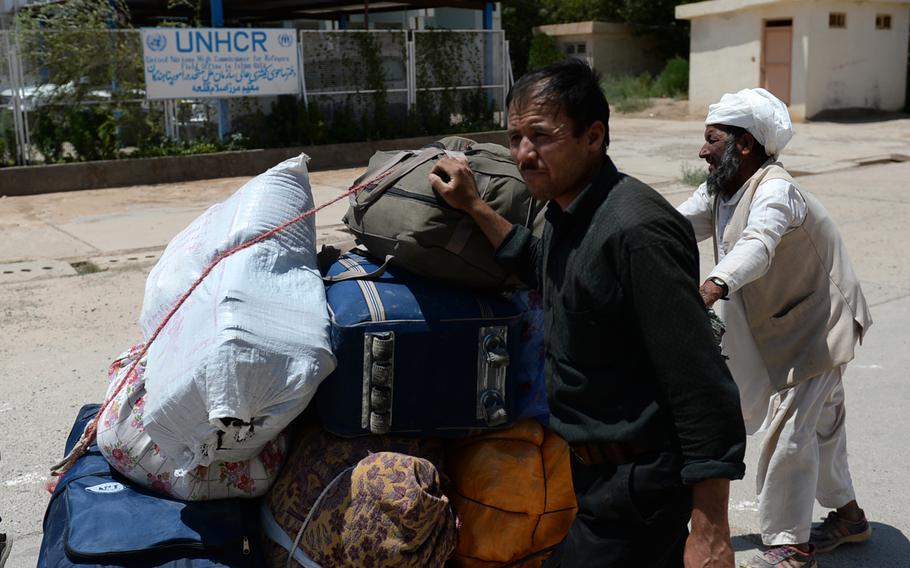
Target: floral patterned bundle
point(387, 510)
point(131, 451)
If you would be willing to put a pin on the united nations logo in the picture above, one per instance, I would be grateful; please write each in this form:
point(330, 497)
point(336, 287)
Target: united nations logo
point(285, 40)
point(156, 42)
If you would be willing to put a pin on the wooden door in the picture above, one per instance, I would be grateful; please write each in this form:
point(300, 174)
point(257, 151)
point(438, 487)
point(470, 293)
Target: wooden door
point(777, 47)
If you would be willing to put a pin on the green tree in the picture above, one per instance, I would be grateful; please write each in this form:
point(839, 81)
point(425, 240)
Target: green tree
point(519, 17)
point(544, 51)
point(518, 20)
point(87, 75)
point(561, 11)
point(658, 17)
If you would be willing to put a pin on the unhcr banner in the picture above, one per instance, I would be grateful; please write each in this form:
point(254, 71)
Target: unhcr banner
point(182, 63)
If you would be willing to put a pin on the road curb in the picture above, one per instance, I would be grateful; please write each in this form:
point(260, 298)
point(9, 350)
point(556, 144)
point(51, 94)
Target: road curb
point(34, 180)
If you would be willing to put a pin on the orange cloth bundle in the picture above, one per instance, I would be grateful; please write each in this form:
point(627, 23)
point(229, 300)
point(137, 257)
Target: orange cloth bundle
point(512, 491)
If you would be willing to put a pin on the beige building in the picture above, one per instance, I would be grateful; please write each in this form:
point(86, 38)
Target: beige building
point(816, 55)
point(612, 49)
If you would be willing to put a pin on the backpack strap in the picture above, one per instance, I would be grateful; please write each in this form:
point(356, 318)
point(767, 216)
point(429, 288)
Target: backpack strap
point(466, 226)
point(404, 165)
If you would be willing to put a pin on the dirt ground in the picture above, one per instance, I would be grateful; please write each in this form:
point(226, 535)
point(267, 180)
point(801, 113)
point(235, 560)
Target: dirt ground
point(59, 330)
point(665, 108)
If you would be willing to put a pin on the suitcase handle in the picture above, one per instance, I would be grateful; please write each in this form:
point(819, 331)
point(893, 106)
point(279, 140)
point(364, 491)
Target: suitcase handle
point(360, 273)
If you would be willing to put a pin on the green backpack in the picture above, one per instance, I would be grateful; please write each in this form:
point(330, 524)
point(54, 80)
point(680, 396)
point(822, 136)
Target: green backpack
point(400, 217)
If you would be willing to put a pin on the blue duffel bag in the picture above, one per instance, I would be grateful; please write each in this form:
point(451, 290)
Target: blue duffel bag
point(415, 356)
point(98, 518)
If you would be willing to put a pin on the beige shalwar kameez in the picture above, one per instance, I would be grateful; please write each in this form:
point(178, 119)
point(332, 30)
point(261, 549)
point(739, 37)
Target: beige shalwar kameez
point(803, 454)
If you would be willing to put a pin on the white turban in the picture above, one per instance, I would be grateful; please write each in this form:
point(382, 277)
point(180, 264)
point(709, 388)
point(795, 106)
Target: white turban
point(763, 115)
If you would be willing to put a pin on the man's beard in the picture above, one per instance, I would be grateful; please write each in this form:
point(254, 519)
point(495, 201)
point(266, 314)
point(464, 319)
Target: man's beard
point(726, 170)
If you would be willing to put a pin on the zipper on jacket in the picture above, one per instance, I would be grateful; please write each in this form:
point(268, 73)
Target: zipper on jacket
point(246, 546)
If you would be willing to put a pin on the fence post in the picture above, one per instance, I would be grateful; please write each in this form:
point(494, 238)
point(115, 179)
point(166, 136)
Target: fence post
point(224, 112)
point(20, 116)
point(301, 58)
point(171, 125)
point(412, 70)
point(488, 36)
point(506, 80)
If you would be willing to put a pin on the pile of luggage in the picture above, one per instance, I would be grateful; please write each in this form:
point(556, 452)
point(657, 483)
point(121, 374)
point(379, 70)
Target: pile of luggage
point(375, 406)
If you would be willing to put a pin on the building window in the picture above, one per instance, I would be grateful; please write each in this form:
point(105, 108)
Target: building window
point(883, 21)
point(570, 49)
point(779, 23)
point(837, 20)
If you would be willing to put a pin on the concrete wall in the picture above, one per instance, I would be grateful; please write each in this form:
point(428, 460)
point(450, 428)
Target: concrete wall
point(859, 66)
point(612, 49)
point(33, 180)
point(726, 55)
point(856, 67)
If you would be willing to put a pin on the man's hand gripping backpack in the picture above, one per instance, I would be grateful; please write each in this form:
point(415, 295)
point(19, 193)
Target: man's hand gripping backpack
point(401, 218)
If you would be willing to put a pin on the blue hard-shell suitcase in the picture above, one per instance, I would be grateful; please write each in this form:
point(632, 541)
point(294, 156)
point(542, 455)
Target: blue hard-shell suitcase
point(416, 356)
point(97, 518)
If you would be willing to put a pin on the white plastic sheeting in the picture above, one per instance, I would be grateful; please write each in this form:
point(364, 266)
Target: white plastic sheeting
point(245, 353)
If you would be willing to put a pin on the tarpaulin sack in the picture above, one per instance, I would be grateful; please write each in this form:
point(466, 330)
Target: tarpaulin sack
point(512, 491)
point(244, 355)
point(339, 504)
point(97, 518)
point(401, 217)
point(134, 455)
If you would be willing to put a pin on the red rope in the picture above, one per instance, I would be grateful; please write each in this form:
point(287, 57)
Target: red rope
point(88, 435)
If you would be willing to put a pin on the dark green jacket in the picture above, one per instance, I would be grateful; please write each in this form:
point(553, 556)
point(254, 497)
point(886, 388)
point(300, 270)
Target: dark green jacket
point(630, 355)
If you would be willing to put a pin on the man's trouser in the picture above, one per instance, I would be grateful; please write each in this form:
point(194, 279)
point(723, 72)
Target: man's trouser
point(803, 457)
point(632, 514)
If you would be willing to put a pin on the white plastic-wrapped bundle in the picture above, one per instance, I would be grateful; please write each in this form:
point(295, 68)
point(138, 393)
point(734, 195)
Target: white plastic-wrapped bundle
point(244, 354)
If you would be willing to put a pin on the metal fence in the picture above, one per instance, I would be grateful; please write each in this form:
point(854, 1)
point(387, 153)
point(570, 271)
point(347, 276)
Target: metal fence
point(463, 62)
point(80, 95)
point(414, 75)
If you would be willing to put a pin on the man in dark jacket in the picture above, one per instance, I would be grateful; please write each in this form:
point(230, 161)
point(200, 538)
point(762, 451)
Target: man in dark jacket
point(635, 383)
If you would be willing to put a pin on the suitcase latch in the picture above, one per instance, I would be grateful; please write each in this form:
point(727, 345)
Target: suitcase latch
point(492, 364)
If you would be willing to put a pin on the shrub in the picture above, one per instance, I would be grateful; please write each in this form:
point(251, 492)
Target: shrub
point(90, 130)
point(692, 175)
point(618, 89)
point(673, 81)
point(7, 138)
point(630, 93)
point(173, 148)
point(543, 52)
point(632, 105)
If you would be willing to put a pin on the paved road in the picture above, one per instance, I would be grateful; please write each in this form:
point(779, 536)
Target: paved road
point(59, 329)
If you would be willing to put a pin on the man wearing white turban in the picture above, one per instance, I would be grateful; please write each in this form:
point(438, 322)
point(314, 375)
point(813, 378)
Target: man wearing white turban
point(794, 315)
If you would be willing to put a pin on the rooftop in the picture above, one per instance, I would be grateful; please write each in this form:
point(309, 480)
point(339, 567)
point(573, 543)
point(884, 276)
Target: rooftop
point(714, 7)
point(237, 12)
